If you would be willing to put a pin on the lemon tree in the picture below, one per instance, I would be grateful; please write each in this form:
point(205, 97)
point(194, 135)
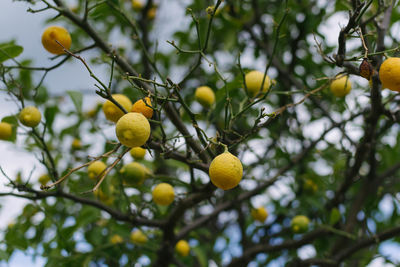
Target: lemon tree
point(199, 133)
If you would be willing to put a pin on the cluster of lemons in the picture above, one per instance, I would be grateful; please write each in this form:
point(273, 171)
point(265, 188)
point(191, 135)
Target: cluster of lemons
point(389, 76)
point(29, 116)
point(138, 238)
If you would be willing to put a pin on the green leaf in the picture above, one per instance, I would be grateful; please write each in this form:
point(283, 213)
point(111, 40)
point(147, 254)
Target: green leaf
point(334, 217)
point(201, 256)
point(9, 50)
point(76, 99)
point(50, 114)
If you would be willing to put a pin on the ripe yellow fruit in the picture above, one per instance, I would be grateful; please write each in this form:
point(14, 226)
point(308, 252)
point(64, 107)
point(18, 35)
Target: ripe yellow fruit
point(95, 169)
point(299, 224)
point(141, 106)
point(151, 14)
point(183, 248)
point(53, 34)
point(44, 179)
point(259, 214)
point(389, 74)
point(163, 194)
point(137, 5)
point(133, 173)
point(210, 10)
point(225, 171)
point(138, 238)
point(30, 116)
point(76, 144)
point(309, 186)
point(103, 197)
point(5, 130)
point(116, 239)
point(114, 113)
point(133, 129)
point(341, 86)
point(253, 81)
point(138, 153)
point(205, 96)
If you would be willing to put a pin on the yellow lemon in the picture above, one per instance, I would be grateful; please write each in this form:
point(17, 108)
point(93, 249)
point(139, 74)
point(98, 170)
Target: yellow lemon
point(96, 168)
point(5, 130)
point(253, 81)
point(205, 96)
point(210, 11)
point(116, 239)
point(30, 116)
point(53, 34)
point(138, 238)
point(259, 214)
point(133, 129)
point(138, 153)
point(143, 106)
point(103, 197)
point(309, 186)
point(389, 74)
point(182, 247)
point(76, 144)
point(226, 171)
point(114, 113)
point(299, 224)
point(133, 173)
point(137, 5)
point(151, 14)
point(163, 194)
point(44, 179)
point(341, 86)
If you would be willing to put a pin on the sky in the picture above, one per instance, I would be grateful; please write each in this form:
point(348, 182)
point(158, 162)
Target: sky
point(27, 32)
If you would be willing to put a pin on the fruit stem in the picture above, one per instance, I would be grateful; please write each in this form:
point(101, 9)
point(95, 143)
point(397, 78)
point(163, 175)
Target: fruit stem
point(225, 148)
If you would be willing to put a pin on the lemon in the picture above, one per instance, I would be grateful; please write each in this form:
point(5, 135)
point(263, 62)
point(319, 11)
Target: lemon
point(341, 86)
point(299, 224)
point(138, 153)
point(210, 10)
point(182, 247)
point(53, 34)
point(137, 5)
point(225, 171)
point(116, 239)
point(95, 169)
point(205, 96)
point(103, 197)
point(151, 14)
point(138, 238)
point(114, 113)
point(133, 129)
point(253, 81)
point(44, 179)
point(309, 186)
point(30, 116)
point(5, 130)
point(76, 144)
point(259, 214)
point(133, 173)
point(163, 194)
point(389, 74)
point(142, 106)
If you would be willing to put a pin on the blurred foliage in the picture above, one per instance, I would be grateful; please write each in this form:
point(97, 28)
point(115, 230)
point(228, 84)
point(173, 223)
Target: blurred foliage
point(244, 35)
